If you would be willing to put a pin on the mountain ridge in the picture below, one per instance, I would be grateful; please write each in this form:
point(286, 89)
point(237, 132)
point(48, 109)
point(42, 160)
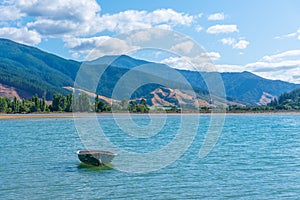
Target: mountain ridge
point(29, 70)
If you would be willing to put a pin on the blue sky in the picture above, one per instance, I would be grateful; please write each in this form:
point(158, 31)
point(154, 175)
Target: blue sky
point(262, 37)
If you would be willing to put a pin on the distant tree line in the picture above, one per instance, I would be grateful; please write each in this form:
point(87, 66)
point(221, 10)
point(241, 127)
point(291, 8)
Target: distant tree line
point(251, 108)
point(23, 106)
point(69, 103)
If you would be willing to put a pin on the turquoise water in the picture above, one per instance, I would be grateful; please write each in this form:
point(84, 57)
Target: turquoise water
point(256, 157)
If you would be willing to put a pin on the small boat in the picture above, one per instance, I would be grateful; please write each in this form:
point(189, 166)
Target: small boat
point(95, 157)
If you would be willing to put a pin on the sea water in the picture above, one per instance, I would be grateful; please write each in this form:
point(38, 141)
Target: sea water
point(257, 156)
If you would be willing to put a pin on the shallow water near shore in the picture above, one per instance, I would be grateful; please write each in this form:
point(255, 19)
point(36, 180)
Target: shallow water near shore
point(256, 157)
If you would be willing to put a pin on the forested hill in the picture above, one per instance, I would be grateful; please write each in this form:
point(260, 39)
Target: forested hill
point(32, 71)
point(288, 101)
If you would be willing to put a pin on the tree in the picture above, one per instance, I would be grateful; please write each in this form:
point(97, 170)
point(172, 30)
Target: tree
point(274, 102)
point(16, 105)
point(133, 106)
point(84, 103)
point(24, 108)
point(58, 103)
point(96, 103)
point(100, 106)
point(138, 107)
point(124, 105)
point(35, 107)
point(142, 107)
point(43, 105)
point(69, 103)
point(3, 105)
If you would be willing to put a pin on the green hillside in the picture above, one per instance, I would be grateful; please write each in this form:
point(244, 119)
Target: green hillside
point(248, 87)
point(34, 71)
point(288, 101)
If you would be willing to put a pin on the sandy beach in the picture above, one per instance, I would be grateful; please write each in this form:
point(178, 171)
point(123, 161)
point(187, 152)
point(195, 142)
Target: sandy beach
point(33, 116)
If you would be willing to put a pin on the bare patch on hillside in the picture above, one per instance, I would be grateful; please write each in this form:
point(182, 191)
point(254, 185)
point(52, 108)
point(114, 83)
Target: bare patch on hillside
point(171, 97)
point(103, 98)
point(11, 92)
point(265, 99)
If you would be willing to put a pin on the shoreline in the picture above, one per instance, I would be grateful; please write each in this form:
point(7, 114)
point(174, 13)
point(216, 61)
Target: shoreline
point(4, 116)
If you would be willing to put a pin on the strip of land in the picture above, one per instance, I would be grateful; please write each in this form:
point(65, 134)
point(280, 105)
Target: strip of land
point(33, 116)
point(70, 115)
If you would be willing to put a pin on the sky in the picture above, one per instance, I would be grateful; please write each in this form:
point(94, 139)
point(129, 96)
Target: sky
point(260, 36)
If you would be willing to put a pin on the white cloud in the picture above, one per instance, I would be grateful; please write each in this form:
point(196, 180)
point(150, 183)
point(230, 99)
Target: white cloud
point(282, 56)
point(198, 16)
point(7, 2)
point(290, 35)
point(183, 48)
point(261, 66)
point(78, 18)
point(9, 13)
point(54, 28)
point(228, 41)
point(22, 35)
point(269, 71)
point(111, 46)
point(216, 16)
point(198, 63)
point(283, 66)
point(75, 21)
point(177, 63)
point(287, 70)
point(57, 18)
point(123, 21)
point(286, 36)
point(164, 26)
point(148, 37)
point(168, 16)
point(73, 10)
point(198, 28)
point(60, 18)
point(132, 19)
point(216, 29)
point(84, 44)
point(97, 46)
point(242, 44)
point(212, 55)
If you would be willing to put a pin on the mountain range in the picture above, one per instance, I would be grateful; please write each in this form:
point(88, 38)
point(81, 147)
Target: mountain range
point(26, 70)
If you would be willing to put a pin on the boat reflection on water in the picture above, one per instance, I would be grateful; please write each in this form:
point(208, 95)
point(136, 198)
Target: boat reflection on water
point(83, 166)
